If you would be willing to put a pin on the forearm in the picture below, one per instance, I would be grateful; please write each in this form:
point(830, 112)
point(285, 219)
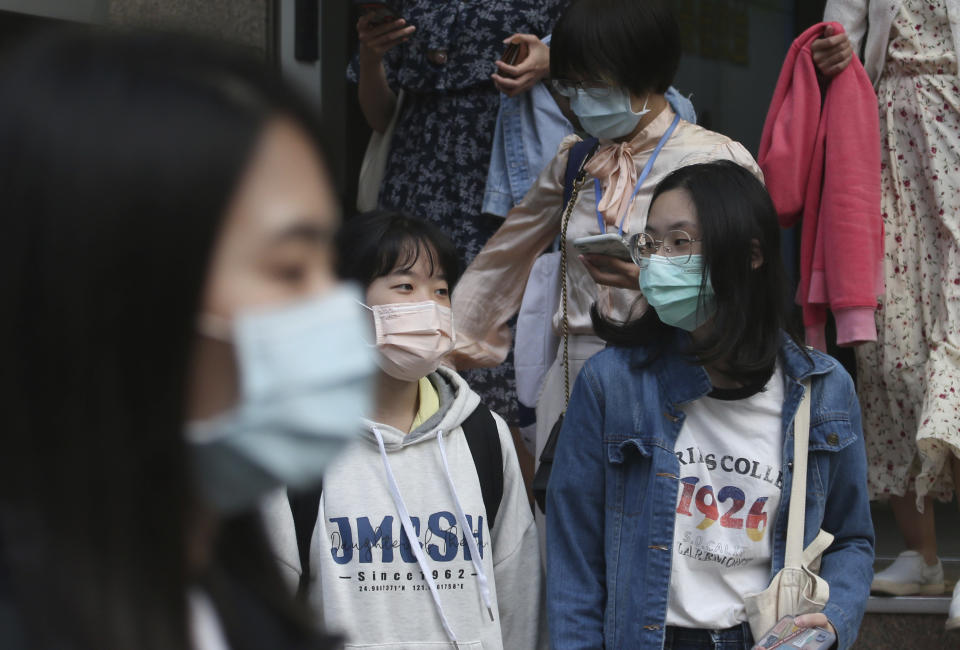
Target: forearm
point(377, 101)
point(491, 290)
point(848, 570)
point(848, 564)
point(576, 570)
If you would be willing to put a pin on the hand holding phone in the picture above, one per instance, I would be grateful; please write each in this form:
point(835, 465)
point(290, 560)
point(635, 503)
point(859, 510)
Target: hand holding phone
point(515, 53)
point(525, 61)
point(380, 28)
point(377, 13)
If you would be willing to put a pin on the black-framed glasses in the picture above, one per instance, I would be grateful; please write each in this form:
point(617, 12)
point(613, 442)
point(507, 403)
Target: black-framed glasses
point(677, 246)
point(595, 89)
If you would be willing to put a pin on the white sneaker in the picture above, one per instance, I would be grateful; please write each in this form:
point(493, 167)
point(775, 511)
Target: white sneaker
point(953, 618)
point(909, 575)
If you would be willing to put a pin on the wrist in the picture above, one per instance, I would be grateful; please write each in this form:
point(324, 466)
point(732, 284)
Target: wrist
point(368, 58)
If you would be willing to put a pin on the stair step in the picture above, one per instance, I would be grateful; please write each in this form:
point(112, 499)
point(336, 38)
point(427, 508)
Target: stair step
point(939, 605)
point(905, 632)
point(947, 560)
point(909, 604)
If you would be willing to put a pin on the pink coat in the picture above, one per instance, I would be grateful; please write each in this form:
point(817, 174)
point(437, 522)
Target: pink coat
point(820, 156)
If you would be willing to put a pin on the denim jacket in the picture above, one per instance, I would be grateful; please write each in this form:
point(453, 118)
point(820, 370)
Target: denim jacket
point(613, 494)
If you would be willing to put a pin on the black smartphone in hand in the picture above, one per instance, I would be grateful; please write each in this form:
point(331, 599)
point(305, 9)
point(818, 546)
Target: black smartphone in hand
point(379, 13)
point(511, 54)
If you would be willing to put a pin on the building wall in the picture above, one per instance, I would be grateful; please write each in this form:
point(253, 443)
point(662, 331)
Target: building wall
point(732, 81)
point(87, 11)
point(246, 22)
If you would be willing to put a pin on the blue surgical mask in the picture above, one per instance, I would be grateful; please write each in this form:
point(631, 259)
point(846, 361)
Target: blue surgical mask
point(608, 117)
point(305, 376)
point(674, 291)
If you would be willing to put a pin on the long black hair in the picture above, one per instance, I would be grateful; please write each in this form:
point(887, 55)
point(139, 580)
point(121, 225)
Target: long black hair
point(120, 153)
point(372, 244)
point(633, 43)
point(736, 215)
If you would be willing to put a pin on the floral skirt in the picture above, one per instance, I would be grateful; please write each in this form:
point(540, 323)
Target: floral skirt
point(909, 380)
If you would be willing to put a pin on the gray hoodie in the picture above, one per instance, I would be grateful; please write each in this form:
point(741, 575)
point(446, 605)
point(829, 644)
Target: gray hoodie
point(375, 588)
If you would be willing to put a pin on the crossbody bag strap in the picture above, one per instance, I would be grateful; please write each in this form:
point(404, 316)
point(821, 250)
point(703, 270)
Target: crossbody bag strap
point(798, 488)
point(564, 322)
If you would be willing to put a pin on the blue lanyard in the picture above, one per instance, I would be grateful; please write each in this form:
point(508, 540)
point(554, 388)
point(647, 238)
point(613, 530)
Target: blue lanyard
point(598, 191)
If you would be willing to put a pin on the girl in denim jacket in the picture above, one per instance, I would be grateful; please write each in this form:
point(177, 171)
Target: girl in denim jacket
point(671, 483)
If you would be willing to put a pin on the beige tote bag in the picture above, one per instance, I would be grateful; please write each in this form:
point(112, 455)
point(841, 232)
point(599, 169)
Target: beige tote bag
point(797, 588)
point(374, 163)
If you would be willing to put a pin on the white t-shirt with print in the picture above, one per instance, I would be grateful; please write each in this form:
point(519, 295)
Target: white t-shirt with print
point(730, 452)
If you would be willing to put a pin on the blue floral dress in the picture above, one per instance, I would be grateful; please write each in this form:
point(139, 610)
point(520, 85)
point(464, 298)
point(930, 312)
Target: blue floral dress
point(440, 152)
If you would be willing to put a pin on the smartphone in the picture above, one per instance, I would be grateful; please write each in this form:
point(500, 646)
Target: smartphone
point(787, 636)
point(610, 244)
point(514, 54)
point(511, 54)
point(379, 12)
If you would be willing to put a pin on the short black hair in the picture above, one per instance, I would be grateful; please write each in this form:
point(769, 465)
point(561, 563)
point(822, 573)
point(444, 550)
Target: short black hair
point(753, 305)
point(633, 43)
point(374, 244)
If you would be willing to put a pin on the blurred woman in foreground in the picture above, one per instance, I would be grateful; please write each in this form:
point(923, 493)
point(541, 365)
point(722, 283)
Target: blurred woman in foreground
point(173, 338)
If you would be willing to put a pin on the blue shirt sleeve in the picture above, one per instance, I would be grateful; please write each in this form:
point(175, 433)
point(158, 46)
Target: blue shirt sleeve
point(681, 105)
point(576, 566)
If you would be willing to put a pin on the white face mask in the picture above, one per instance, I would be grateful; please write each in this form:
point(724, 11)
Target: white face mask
point(413, 337)
point(306, 381)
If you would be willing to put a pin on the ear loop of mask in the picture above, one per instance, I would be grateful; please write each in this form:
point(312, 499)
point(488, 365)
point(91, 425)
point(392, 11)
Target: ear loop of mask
point(643, 111)
point(369, 309)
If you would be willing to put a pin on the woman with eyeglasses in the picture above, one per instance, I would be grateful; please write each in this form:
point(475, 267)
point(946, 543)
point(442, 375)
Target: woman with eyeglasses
point(671, 485)
point(612, 60)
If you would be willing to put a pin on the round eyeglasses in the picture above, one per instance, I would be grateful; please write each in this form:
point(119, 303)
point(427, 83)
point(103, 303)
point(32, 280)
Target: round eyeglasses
point(570, 89)
point(676, 245)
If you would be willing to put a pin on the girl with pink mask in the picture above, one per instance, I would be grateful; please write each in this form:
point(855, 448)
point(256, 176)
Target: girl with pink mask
point(435, 468)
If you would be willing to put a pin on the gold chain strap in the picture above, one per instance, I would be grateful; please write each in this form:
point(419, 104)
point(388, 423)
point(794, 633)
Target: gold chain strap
point(564, 324)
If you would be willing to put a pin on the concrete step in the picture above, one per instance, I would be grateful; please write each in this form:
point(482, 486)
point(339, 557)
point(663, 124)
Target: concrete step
point(912, 622)
point(908, 605)
point(909, 622)
point(879, 604)
point(905, 632)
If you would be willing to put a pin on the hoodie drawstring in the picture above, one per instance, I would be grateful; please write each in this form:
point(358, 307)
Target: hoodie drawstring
point(467, 531)
point(412, 536)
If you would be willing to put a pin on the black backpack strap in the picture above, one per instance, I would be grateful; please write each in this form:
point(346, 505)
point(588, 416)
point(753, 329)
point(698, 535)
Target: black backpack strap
point(579, 155)
point(483, 438)
point(542, 476)
point(305, 507)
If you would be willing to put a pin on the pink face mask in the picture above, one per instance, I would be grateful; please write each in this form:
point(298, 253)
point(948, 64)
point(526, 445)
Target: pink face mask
point(412, 337)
